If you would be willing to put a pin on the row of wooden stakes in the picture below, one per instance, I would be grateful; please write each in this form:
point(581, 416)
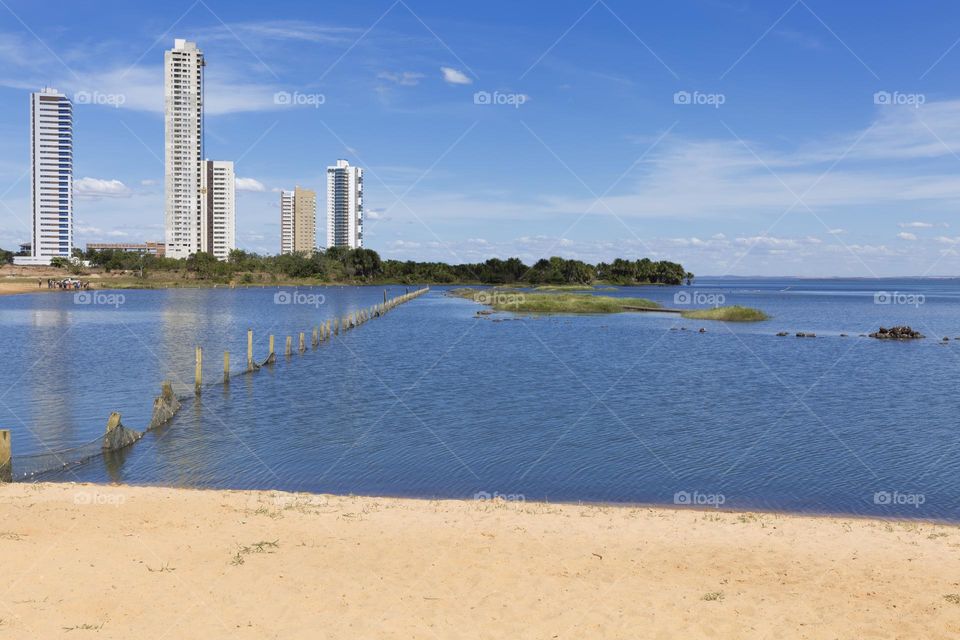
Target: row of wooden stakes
point(321, 333)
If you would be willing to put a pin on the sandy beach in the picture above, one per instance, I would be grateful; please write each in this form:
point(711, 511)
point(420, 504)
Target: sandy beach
point(122, 562)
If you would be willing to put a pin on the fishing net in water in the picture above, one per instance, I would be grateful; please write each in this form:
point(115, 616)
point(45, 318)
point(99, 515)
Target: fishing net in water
point(117, 436)
point(26, 467)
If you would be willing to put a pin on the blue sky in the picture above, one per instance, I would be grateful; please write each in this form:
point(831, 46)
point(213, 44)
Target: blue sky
point(780, 157)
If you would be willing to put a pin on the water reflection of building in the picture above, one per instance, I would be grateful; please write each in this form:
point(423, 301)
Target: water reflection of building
point(46, 404)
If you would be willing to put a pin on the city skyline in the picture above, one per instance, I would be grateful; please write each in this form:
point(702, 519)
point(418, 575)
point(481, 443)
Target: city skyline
point(797, 147)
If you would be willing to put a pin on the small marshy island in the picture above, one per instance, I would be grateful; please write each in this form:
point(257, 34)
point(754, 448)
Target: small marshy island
point(519, 301)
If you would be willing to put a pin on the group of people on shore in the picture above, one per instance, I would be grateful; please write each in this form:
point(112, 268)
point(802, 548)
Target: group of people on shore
point(66, 283)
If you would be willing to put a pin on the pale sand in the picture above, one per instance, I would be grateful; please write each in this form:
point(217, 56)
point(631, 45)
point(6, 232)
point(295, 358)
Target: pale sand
point(124, 562)
point(10, 288)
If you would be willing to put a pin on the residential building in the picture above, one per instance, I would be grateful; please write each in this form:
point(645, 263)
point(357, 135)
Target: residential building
point(218, 208)
point(344, 205)
point(51, 161)
point(298, 221)
point(286, 222)
point(183, 148)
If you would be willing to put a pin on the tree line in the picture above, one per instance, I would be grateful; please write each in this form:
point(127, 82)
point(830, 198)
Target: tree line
point(340, 264)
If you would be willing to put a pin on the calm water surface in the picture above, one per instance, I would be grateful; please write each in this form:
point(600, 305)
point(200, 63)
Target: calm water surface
point(432, 401)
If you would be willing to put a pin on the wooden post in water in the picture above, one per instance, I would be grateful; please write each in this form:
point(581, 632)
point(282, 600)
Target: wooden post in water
point(303, 343)
point(226, 367)
point(271, 356)
point(289, 349)
point(249, 349)
point(6, 457)
point(314, 339)
point(198, 372)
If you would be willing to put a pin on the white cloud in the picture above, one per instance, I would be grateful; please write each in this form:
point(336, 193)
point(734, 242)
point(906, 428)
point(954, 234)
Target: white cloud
point(403, 78)
point(903, 235)
point(98, 188)
point(915, 225)
point(86, 230)
point(249, 184)
point(454, 76)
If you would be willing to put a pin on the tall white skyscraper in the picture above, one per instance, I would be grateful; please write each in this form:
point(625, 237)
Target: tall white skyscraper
point(286, 222)
point(218, 225)
point(344, 205)
point(51, 160)
point(183, 153)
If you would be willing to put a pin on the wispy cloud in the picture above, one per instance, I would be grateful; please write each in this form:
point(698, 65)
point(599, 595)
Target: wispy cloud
point(402, 78)
point(454, 76)
point(249, 184)
point(93, 188)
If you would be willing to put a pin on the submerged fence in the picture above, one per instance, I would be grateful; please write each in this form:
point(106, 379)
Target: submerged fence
point(118, 436)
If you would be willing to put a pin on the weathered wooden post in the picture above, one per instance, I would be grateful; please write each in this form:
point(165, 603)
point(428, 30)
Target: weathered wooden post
point(198, 372)
point(272, 357)
point(6, 457)
point(226, 367)
point(289, 349)
point(118, 436)
point(165, 406)
point(314, 339)
point(249, 349)
point(303, 343)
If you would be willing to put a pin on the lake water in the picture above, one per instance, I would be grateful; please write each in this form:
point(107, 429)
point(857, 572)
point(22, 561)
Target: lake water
point(432, 401)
